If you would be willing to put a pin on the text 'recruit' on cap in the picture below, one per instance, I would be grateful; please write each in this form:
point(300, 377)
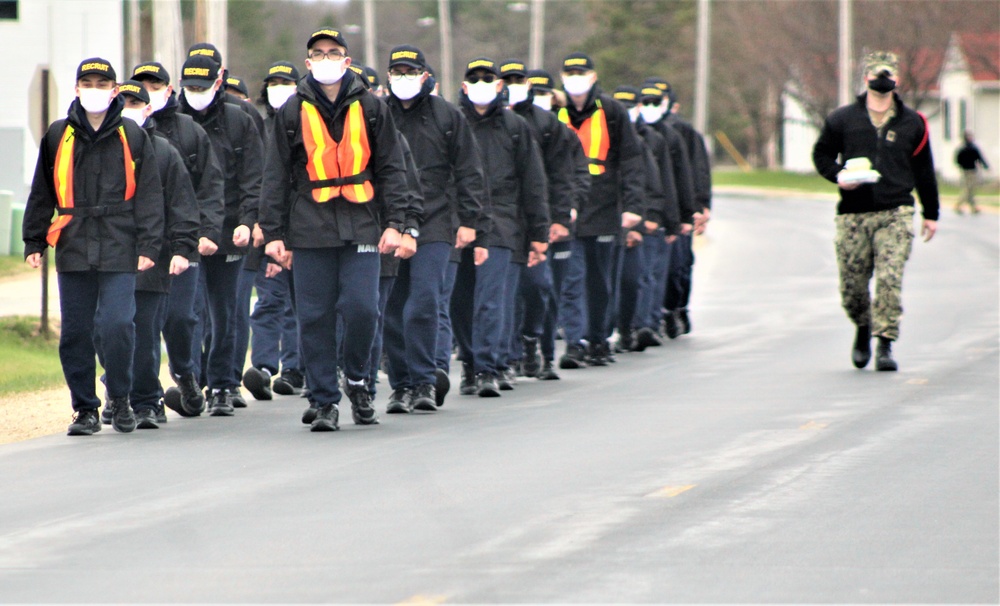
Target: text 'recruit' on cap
point(650, 92)
point(626, 95)
point(482, 64)
point(372, 77)
point(513, 67)
point(96, 65)
point(577, 61)
point(237, 84)
point(659, 83)
point(150, 71)
point(282, 70)
point(199, 70)
point(541, 80)
point(205, 49)
point(326, 33)
point(407, 55)
point(134, 88)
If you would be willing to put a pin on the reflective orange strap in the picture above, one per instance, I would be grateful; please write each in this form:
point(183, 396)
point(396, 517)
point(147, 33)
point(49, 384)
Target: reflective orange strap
point(129, 166)
point(62, 178)
point(318, 144)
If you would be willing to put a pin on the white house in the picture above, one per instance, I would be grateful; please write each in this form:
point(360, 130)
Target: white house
point(52, 34)
point(966, 97)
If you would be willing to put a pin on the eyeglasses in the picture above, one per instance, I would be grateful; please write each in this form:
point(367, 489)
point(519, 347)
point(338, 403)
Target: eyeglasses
point(318, 55)
point(654, 103)
point(406, 76)
point(485, 78)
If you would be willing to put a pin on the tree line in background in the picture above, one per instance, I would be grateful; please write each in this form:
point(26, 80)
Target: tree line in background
point(758, 47)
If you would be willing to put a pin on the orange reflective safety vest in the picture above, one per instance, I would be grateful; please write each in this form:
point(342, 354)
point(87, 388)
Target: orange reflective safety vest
point(594, 137)
point(337, 169)
point(62, 178)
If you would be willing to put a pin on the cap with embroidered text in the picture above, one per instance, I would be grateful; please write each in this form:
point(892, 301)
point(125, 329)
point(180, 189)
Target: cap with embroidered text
point(482, 63)
point(151, 71)
point(577, 61)
point(326, 33)
point(407, 55)
point(199, 70)
point(96, 65)
point(282, 70)
point(134, 88)
point(513, 67)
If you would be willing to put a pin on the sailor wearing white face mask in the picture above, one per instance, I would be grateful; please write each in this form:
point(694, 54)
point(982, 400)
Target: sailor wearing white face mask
point(239, 149)
point(195, 148)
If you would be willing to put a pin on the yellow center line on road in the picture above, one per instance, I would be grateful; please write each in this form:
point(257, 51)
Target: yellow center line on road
point(424, 600)
point(813, 425)
point(671, 491)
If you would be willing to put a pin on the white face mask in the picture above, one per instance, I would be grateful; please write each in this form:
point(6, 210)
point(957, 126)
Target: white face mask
point(96, 100)
point(199, 101)
point(136, 114)
point(577, 85)
point(482, 93)
point(633, 114)
point(158, 98)
point(328, 71)
point(651, 114)
point(405, 88)
point(279, 93)
point(516, 93)
point(543, 101)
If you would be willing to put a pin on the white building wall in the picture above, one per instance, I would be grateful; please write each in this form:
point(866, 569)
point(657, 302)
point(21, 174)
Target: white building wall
point(57, 34)
point(798, 137)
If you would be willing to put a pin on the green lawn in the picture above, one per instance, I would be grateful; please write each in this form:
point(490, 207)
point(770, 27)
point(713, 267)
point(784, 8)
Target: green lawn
point(814, 183)
point(11, 265)
point(29, 361)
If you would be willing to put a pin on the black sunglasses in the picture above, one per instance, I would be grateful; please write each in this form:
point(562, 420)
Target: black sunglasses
point(485, 78)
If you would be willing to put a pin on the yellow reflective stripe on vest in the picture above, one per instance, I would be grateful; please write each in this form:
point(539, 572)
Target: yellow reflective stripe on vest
point(316, 126)
point(356, 123)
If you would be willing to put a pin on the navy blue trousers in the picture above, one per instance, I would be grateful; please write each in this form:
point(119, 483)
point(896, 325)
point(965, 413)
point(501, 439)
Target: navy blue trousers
point(385, 285)
point(328, 282)
point(531, 307)
point(599, 257)
point(510, 332)
point(241, 321)
point(445, 338)
point(477, 309)
point(630, 283)
point(657, 253)
point(81, 294)
point(411, 319)
point(150, 312)
point(569, 306)
point(218, 282)
point(274, 333)
point(180, 321)
point(679, 284)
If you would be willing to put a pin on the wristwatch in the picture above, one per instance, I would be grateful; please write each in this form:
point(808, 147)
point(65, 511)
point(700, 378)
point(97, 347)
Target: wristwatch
point(412, 231)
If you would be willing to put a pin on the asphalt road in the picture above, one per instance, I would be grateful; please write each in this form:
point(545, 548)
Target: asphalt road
point(746, 462)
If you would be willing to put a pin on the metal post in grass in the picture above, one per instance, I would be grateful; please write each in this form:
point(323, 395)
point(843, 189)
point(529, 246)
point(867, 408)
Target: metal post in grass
point(43, 329)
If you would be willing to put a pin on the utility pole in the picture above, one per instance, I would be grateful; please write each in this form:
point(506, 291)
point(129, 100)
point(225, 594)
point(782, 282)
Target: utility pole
point(168, 34)
point(44, 329)
point(536, 50)
point(133, 40)
point(444, 22)
point(217, 26)
point(371, 59)
point(846, 34)
point(702, 65)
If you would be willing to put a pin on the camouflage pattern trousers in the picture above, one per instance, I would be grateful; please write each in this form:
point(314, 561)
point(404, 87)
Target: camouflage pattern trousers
point(867, 244)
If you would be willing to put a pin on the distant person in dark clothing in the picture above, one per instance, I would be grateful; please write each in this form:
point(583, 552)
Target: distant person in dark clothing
point(967, 159)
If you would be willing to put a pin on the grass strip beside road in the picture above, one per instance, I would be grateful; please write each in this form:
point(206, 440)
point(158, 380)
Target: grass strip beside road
point(987, 194)
point(30, 361)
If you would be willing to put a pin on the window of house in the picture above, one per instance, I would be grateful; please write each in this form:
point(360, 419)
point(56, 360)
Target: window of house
point(946, 119)
point(8, 10)
point(961, 116)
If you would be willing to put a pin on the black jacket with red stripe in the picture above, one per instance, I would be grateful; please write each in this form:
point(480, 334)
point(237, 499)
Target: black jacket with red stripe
point(901, 153)
point(106, 233)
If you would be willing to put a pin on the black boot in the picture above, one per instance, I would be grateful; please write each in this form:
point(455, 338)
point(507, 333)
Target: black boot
point(862, 351)
point(883, 355)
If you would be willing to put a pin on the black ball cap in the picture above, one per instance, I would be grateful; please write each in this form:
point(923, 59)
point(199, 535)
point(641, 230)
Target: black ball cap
point(326, 33)
point(513, 67)
point(199, 70)
point(151, 71)
point(540, 79)
point(205, 49)
point(134, 88)
point(579, 61)
point(482, 63)
point(96, 65)
point(627, 95)
point(407, 55)
point(659, 83)
point(237, 84)
point(282, 70)
point(372, 77)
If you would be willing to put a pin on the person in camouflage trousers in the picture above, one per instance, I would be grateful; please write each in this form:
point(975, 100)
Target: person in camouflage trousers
point(887, 146)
